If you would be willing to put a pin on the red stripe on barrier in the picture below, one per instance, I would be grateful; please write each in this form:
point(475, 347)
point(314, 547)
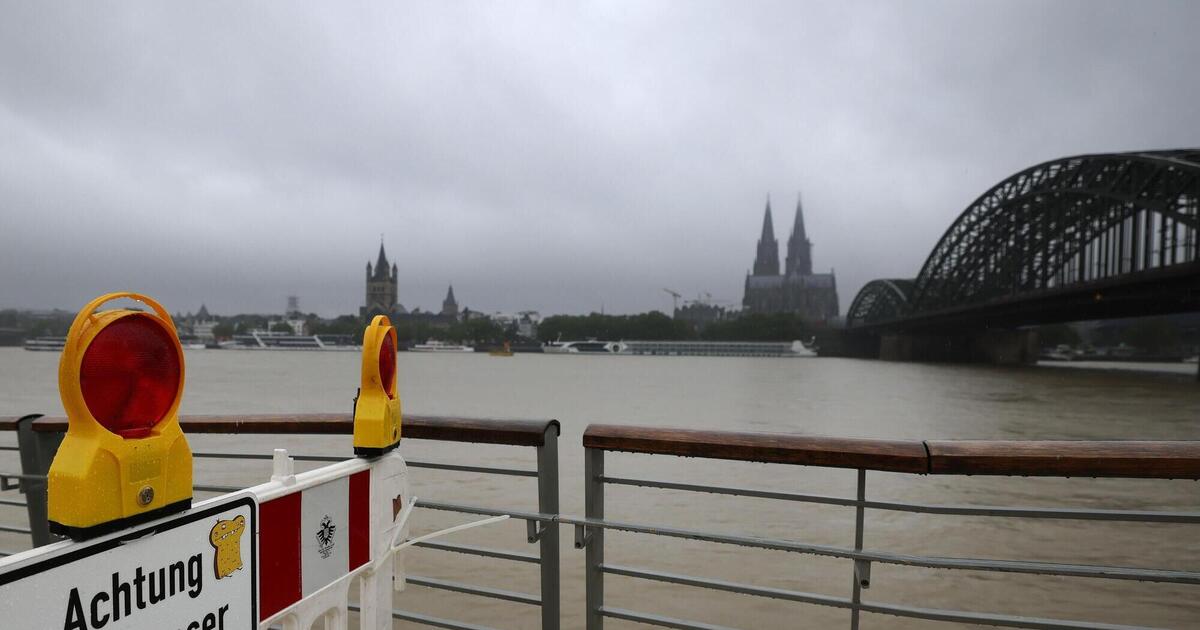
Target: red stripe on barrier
point(279, 554)
point(360, 519)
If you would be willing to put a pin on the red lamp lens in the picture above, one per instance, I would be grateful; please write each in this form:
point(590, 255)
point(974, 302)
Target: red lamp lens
point(387, 365)
point(130, 375)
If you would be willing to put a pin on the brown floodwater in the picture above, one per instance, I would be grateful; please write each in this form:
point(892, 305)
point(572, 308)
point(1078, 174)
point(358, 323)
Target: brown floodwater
point(816, 396)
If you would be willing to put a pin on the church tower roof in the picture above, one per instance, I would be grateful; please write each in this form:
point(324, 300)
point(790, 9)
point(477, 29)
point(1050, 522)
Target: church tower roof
point(798, 226)
point(799, 254)
point(766, 262)
point(450, 305)
point(768, 229)
point(381, 264)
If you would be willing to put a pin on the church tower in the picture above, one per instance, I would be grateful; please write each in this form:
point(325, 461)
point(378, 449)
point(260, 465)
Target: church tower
point(382, 291)
point(450, 305)
point(799, 251)
point(766, 263)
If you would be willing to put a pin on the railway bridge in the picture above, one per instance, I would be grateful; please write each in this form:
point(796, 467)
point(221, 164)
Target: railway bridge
point(1079, 238)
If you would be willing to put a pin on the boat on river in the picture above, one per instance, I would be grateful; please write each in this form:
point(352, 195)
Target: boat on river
point(46, 344)
point(590, 346)
point(440, 346)
point(504, 351)
point(259, 340)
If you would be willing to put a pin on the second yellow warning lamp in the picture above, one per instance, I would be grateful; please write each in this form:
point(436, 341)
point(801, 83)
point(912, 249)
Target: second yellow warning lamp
point(377, 406)
point(124, 459)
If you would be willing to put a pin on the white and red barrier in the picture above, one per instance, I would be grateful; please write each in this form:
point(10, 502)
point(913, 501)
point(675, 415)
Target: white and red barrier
point(319, 530)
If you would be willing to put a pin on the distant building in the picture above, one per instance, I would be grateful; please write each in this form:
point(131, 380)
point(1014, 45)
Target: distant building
point(797, 290)
point(527, 324)
point(524, 323)
point(700, 314)
point(449, 305)
point(203, 324)
point(381, 289)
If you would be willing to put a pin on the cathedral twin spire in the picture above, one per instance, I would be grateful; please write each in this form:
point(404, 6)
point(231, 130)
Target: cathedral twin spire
point(799, 252)
point(766, 263)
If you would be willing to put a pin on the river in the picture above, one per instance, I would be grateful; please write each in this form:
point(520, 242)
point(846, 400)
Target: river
point(839, 397)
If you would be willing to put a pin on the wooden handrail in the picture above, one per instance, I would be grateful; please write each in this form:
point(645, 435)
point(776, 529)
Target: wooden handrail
point(1053, 458)
point(1056, 458)
point(1066, 458)
point(776, 448)
point(478, 430)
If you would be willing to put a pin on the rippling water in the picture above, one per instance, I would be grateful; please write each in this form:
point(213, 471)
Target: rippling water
point(817, 396)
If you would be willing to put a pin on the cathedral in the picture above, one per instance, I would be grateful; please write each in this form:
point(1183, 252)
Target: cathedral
point(798, 290)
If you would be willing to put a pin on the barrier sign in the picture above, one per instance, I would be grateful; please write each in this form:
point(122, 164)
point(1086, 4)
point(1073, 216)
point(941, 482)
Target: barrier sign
point(191, 571)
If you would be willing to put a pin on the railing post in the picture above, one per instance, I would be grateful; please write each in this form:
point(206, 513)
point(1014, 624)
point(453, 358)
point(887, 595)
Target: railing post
point(862, 568)
point(37, 453)
point(593, 506)
point(547, 463)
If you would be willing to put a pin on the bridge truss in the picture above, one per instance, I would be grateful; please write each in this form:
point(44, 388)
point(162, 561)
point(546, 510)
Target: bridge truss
point(1067, 222)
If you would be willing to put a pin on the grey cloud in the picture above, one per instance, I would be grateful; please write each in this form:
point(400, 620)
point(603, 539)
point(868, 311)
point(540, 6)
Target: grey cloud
point(549, 156)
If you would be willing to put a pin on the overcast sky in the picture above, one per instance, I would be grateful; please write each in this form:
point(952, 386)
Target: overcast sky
point(561, 157)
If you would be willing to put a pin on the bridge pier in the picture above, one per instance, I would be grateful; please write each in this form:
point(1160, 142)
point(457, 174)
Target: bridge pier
point(994, 345)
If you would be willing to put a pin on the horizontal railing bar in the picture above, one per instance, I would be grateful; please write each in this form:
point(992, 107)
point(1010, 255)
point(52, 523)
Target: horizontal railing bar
point(921, 508)
point(773, 448)
point(471, 509)
point(1164, 459)
point(974, 564)
point(471, 589)
point(22, 476)
point(13, 503)
point(514, 472)
point(414, 463)
point(933, 614)
point(1066, 458)
point(480, 551)
point(211, 488)
point(299, 458)
point(1079, 514)
point(742, 492)
point(658, 620)
point(436, 622)
point(477, 430)
point(989, 619)
point(426, 620)
point(10, 448)
point(731, 587)
point(14, 530)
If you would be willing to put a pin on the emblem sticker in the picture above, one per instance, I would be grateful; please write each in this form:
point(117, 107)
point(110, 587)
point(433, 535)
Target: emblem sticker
point(325, 536)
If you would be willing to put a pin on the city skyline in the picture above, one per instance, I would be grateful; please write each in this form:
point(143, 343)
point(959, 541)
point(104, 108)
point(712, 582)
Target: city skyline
point(168, 151)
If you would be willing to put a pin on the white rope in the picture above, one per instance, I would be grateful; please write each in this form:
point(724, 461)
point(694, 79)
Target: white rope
point(399, 527)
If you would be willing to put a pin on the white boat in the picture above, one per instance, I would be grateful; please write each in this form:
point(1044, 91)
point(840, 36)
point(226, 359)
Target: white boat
point(1061, 352)
point(801, 349)
point(260, 340)
point(440, 346)
point(46, 344)
point(1195, 359)
point(591, 346)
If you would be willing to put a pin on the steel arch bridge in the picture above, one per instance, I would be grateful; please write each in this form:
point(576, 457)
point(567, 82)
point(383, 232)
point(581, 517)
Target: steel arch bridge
point(1084, 237)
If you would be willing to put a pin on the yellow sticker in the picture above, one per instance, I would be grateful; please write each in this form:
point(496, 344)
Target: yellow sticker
point(226, 538)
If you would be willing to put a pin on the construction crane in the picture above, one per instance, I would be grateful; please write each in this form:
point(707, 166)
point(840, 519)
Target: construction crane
point(674, 299)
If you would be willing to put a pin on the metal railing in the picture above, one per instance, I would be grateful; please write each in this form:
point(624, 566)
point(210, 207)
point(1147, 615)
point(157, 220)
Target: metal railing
point(38, 440)
point(1096, 459)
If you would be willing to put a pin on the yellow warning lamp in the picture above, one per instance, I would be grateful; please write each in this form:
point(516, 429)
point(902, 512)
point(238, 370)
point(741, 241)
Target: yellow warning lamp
point(124, 459)
point(377, 407)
